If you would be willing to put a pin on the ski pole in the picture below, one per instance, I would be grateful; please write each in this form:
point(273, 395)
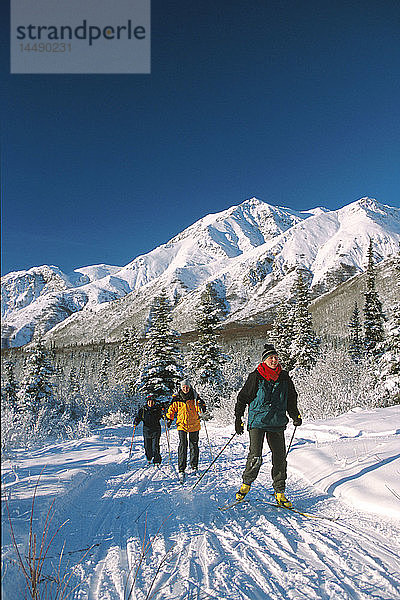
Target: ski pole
point(291, 440)
point(169, 448)
point(167, 436)
point(209, 467)
point(133, 435)
point(209, 443)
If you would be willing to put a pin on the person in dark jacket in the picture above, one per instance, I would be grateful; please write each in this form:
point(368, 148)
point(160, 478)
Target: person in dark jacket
point(269, 393)
point(151, 414)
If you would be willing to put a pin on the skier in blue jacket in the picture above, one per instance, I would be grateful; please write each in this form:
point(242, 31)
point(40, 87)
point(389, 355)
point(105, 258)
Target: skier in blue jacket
point(269, 393)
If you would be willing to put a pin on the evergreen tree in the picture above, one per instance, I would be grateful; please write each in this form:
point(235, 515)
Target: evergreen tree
point(35, 386)
point(104, 381)
point(393, 337)
point(205, 358)
point(36, 397)
point(282, 334)
point(82, 373)
point(73, 385)
point(60, 382)
point(128, 360)
point(305, 345)
point(74, 406)
point(373, 314)
point(355, 338)
point(10, 388)
point(390, 361)
point(161, 365)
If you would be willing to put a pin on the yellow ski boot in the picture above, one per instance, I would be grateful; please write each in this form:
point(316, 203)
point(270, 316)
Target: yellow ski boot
point(244, 488)
point(282, 500)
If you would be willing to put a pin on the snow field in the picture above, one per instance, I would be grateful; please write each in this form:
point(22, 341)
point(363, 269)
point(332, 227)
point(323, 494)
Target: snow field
point(251, 551)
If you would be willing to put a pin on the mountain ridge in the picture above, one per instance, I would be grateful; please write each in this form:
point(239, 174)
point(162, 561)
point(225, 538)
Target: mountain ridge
point(249, 252)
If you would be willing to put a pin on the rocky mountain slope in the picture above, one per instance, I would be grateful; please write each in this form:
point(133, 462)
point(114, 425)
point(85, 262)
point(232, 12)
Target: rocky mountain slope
point(331, 312)
point(249, 252)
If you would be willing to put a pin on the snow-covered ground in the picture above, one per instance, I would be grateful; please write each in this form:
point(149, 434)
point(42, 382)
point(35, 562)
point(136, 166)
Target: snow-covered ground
point(346, 468)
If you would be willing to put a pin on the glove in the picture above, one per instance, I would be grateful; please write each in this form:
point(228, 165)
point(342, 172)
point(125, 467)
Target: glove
point(239, 428)
point(202, 409)
point(169, 423)
point(297, 421)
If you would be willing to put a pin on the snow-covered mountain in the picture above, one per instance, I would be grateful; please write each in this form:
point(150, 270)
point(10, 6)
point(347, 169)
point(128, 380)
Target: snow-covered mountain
point(250, 253)
point(44, 296)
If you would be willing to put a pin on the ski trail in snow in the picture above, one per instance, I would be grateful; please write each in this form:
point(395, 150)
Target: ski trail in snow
point(102, 513)
point(251, 552)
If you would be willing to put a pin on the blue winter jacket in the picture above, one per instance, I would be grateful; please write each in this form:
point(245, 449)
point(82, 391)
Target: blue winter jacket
point(268, 402)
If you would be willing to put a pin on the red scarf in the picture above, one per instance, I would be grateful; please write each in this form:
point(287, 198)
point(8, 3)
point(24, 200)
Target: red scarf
point(268, 373)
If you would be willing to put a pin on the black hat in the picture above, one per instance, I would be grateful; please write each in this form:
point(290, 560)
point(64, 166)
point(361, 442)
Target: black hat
point(269, 350)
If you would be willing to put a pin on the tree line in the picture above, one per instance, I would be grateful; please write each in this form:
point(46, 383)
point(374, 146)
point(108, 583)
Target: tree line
point(49, 401)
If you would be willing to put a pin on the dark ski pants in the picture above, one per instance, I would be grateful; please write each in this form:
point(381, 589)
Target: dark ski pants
point(193, 448)
point(152, 444)
point(276, 442)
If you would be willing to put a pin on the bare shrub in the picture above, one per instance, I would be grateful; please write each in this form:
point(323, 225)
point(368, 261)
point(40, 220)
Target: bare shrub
point(40, 585)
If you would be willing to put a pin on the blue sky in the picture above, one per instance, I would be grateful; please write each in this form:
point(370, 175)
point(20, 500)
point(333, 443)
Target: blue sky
point(296, 103)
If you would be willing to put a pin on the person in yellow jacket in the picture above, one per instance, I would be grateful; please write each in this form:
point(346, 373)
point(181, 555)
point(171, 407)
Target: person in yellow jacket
point(186, 405)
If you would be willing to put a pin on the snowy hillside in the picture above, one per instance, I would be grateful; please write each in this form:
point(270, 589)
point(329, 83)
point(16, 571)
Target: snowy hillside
point(249, 252)
point(21, 288)
point(345, 469)
point(44, 296)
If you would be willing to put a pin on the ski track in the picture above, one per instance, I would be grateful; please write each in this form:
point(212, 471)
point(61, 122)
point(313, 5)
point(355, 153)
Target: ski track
point(221, 555)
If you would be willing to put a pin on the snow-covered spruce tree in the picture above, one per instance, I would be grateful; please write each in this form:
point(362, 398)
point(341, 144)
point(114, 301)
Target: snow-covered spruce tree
point(73, 383)
point(9, 388)
point(373, 314)
point(390, 362)
point(304, 348)
point(128, 361)
point(10, 417)
point(161, 367)
point(355, 344)
point(104, 380)
point(205, 359)
point(36, 379)
point(104, 398)
point(282, 334)
point(74, 402)
point(42, 412)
